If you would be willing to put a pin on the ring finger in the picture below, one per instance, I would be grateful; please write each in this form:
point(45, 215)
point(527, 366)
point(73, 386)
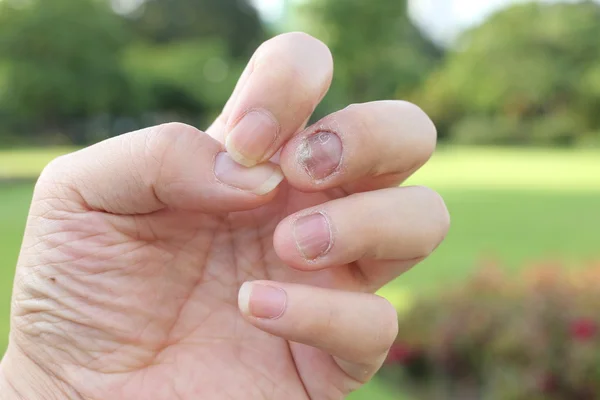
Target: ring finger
point(402, 224)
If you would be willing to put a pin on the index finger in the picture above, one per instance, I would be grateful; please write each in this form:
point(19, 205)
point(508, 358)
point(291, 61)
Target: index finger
point(287, 78)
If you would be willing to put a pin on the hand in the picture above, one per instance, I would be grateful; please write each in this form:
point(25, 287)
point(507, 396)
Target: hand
point(128, 283)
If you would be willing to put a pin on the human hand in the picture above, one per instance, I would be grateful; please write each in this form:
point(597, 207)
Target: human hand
point(128, 282)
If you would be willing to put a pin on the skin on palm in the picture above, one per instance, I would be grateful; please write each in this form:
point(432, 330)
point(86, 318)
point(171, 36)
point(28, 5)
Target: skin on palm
point(128, 283)
point(137, 304)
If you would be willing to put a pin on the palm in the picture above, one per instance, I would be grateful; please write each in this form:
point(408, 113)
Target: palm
point(171, 291)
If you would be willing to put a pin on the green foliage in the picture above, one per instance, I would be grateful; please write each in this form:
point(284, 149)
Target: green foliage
point(377, 389)
point(62, 60)
point(529, 75)
point(191, 79)
point(54, 46)
point(76, 72)
point(234, 21)
point(378, 52)
point(14, 204)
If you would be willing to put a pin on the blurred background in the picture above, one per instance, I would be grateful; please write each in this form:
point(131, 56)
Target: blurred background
point(508, 307)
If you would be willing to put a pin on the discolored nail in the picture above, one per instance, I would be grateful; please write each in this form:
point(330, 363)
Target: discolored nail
point(321, 154)
point(262, 301)
point(251, 138)
point(260, 180)
point(313, 236)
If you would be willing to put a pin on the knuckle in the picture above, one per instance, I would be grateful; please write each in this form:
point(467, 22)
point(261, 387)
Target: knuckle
point(176, 127)
point(52, 167)
point(163, 137)
point(353, 108)
point(55, 187)
point(55, 171)
point(170, 130)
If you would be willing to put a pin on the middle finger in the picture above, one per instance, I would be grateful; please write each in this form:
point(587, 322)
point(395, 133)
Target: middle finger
point(361, 148)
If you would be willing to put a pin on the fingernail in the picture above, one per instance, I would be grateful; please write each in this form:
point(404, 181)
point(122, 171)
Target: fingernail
point(313, 236)
point(260, 180)
point(262, 301)
point(321, 154)
point(251, 138)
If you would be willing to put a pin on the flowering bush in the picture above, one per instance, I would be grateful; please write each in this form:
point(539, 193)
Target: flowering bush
point(526, 337)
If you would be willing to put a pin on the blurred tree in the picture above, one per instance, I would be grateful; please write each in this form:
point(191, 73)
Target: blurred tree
point(74, 70)
point(187, 80)
point(236, 21)
point(62, 63)
point(379, 53)
point(529, 75)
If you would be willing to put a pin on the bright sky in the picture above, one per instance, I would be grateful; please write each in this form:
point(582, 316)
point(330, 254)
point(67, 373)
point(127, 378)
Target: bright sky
point(443, 19)
point(270, 9)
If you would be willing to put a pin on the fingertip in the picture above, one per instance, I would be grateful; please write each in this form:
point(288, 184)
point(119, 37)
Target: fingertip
point(259, 180)
point(244, 298)
point(236, 155)
point(270, 184)
point(262, 300)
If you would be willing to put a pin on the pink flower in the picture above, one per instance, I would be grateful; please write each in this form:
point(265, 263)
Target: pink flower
point(548, 383)
point(400, 354)
point(583, 329)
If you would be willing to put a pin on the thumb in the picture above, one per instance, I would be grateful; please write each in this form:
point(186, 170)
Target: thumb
point(168, 166)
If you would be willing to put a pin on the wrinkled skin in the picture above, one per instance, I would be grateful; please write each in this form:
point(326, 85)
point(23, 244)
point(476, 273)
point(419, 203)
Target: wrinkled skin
point(128, 279)
point(143, 299)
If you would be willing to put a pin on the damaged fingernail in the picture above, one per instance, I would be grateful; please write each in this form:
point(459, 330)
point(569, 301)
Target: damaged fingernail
point(321, 154)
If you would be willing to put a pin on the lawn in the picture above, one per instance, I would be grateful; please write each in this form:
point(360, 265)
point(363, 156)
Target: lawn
point(514, 205)
point(24, 163)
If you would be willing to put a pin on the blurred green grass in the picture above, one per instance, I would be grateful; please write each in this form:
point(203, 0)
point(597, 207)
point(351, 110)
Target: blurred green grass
point(451, 167)
point(529, 169)
point(510, 204)
point(27, 163)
